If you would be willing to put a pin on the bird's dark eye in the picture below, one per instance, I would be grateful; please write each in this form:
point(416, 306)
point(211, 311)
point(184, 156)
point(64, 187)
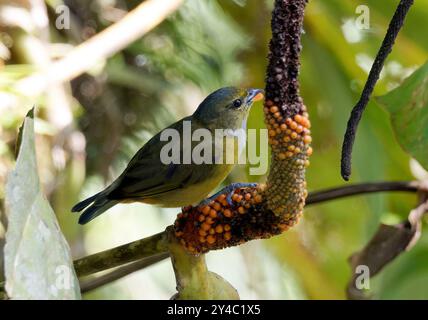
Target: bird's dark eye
point(237, 103)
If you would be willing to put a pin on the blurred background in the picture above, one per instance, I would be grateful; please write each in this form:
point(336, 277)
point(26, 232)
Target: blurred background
point(89, 128)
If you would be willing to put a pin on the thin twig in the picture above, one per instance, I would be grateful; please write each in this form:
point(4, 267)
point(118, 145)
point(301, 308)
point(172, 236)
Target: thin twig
point(118, 36)
point(362, 188)
point(133, 251)
point(386, 47)
point(96, 282)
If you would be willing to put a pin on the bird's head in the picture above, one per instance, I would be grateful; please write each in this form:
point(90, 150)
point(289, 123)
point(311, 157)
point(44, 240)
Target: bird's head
point(227, 108)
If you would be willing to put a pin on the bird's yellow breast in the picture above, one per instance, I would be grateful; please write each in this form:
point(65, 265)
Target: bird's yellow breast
point(194, 193)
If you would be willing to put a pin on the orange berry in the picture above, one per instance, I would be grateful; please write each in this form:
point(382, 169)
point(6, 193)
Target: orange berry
point(289, 154)
point(212, 231)
point(221, 197)
point(241, 210)
point(309, 151)
point(235, 197)
point(247, 196)
point(293, 135)
point(205, 210)
point(291, 148)
point(202, 232)
point(213, 213)
point(219, 228)
point(216, 206)
point(272, 133)
point(210, 239)
point(297, 150)
point(202, 239)
point(258, 198)
point(288, 121)
point(227, 213)
point(205, 226)
point(274, 109)
point(307, 139)
point(299, 129)
point(306, 123)
point(283, 227)
point(227, 236)
point(226, 227)
point(293, 125)
point(201, 218)
point(298, 118)
point(276, 115)
point(283, 126)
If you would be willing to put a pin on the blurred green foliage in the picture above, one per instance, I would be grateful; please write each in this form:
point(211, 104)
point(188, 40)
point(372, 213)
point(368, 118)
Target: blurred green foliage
point(88, 129)
point(407, 106)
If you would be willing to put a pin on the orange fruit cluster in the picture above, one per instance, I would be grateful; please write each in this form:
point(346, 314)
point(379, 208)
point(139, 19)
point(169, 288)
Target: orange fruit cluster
point(289, 138)
point(215, 226)
point(293, 132)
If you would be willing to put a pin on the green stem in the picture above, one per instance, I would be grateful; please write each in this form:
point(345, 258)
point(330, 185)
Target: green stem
point(189, 270)
point(120, 272)
point(194, 281)
point(151, 246)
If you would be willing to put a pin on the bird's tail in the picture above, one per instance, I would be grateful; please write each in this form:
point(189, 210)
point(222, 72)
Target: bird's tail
point(94, 205)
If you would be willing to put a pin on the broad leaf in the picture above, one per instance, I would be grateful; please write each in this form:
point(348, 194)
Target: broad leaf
point(408, 107)
point(38, 263)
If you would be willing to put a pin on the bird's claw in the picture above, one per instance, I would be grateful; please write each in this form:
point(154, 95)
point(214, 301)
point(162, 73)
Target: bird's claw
point(229, 190)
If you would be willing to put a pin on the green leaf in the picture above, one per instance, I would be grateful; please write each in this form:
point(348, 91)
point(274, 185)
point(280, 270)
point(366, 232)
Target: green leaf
point(408, 107)
point(38, 262)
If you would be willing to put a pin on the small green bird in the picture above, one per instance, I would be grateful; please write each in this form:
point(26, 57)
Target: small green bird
point(179, 183)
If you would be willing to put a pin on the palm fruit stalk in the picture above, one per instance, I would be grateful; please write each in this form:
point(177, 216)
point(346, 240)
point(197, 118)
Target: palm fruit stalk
point(286, 116)
point(271, 208)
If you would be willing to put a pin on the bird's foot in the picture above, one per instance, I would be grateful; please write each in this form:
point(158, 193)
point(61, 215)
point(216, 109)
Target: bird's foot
point(228, 191)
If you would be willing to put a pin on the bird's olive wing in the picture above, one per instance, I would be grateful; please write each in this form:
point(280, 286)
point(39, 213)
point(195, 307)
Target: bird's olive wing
point(147, 176)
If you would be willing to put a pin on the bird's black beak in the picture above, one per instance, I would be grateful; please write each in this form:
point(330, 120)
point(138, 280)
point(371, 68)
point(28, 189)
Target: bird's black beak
point(254, 95)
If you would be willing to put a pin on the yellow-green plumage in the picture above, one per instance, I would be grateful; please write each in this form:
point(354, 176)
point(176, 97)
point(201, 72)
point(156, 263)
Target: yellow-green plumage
point(147, 179)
